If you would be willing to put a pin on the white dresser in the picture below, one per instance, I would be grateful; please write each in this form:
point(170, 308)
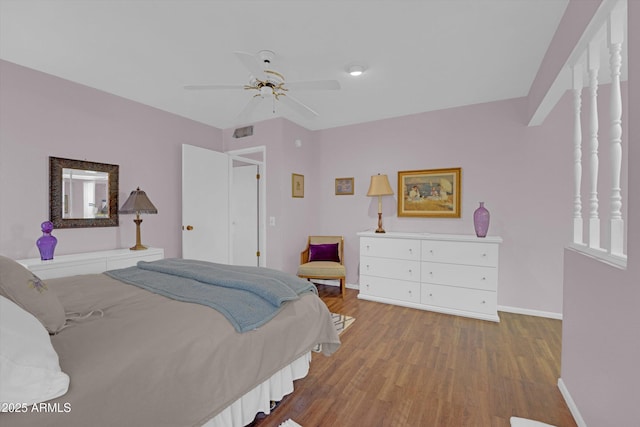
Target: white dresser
point(89, 262)
point(448, 273)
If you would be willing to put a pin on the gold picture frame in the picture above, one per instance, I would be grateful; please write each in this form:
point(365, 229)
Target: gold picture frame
point(344, 186)
point(433, 193)
point(297, 185)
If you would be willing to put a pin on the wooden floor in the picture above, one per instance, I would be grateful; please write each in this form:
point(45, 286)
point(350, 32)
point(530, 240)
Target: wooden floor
point(405, 367)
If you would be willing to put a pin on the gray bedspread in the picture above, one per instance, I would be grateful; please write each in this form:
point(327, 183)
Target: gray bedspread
point(154, 361)
point(229, 289)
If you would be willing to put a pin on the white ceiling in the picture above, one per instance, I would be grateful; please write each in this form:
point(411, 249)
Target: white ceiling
point(420, 55)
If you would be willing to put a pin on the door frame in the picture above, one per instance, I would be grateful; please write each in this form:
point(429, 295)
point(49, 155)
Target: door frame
point(262, 192)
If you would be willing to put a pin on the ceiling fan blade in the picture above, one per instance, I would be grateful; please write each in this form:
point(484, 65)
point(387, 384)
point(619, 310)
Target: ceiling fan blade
point(245, 114)
point(250, 62)
point(297, 106)
point(314, 85)
point(212, 87)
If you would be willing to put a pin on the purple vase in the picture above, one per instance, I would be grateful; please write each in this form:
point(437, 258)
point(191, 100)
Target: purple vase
point(47, 243)
point(481, 220)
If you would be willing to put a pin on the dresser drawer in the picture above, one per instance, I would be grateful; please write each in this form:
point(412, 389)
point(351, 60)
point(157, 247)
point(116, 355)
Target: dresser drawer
point(53, 270)
point(472, 253)
point(468, 276)
point(474, 300)
point(130, 260)
point(390, 288)
point(390, 268)
point(90, 262)
point(390, 248)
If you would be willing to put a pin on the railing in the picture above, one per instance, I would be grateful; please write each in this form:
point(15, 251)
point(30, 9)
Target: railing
point(610, 249)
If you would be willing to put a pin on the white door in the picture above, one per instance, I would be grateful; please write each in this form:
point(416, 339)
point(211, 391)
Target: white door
point(205, 204)
point(244, 214)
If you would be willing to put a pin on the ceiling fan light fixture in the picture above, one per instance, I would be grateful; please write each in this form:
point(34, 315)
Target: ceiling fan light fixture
point(356, 70)
point(266, 91)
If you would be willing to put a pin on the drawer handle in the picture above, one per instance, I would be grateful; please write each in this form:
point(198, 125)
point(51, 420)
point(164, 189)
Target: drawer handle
point(410, 250)
point(431, 273)
point(367, 247)
point(367, 266)
point(409, 292)
point(484, 255)
point(430, 295)
point(484, 278)
point(431, 251)
point(484, 302)
point(410, 272)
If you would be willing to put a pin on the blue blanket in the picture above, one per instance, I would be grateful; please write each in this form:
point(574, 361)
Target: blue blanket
point(247, 296)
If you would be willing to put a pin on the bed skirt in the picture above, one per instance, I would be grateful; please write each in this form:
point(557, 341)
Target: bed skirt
point(243, 411)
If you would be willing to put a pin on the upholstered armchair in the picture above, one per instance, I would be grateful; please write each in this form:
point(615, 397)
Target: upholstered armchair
point(323, 258)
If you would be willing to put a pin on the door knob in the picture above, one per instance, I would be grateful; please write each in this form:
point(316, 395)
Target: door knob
point(189, 227)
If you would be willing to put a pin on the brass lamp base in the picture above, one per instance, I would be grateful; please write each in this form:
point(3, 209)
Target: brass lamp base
point(138, 246)
point(380, 229)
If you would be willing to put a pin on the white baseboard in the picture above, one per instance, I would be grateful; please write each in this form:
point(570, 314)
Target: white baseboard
point(571, 404)
point(505, 308)
point(528, 312)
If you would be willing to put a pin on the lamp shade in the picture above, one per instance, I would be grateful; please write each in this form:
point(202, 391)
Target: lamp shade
point(138, 203)
point(379, 186)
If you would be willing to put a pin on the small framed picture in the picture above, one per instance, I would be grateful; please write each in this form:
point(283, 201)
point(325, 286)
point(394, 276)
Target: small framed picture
point(344, 186)
point(431, 193)
point(297, 185)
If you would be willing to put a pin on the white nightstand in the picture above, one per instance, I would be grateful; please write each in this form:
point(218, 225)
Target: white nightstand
point(89, 262)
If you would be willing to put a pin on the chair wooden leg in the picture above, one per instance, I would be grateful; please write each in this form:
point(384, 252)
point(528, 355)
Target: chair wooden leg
point(343, 288)
point(309, 280)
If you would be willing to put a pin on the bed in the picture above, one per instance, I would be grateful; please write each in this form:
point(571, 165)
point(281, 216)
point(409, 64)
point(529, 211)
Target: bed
point(135, 357)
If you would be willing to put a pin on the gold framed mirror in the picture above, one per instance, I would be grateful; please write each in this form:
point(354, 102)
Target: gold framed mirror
point(82, 194)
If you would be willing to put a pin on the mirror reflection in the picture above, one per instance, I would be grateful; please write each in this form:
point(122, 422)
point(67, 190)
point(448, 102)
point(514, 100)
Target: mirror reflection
point(82, 193)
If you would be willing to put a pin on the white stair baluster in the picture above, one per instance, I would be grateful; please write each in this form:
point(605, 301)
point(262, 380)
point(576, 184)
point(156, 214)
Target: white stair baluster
point(615, 38)
point(577, 154)
point(593, 59)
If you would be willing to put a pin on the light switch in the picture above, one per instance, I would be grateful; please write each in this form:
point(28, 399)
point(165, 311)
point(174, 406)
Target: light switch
point(272, 221)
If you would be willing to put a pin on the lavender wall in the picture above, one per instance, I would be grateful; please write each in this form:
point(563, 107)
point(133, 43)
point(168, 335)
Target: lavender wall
point(42, 116)
point(295, 217)
point(601, 343)
point(519, 172)
point(571, 27)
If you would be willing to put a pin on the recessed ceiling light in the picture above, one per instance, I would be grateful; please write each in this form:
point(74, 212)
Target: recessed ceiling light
point(356, 70)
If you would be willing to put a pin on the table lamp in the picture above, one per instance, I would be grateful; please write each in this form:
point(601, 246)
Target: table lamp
point(379, 187)
point(138, 203)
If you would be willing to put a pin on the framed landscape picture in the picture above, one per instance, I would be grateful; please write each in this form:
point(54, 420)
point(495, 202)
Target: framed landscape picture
point(433, 193)
point(297, 185)
point(344, 186)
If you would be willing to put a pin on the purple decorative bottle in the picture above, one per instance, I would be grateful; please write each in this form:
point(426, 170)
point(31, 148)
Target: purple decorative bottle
point(47, 243)
point(481, 220)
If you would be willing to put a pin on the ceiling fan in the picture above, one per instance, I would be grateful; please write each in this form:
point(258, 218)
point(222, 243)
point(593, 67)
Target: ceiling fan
point(265, 82)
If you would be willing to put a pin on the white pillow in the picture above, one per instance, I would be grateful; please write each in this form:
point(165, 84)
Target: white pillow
point(29, 367)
